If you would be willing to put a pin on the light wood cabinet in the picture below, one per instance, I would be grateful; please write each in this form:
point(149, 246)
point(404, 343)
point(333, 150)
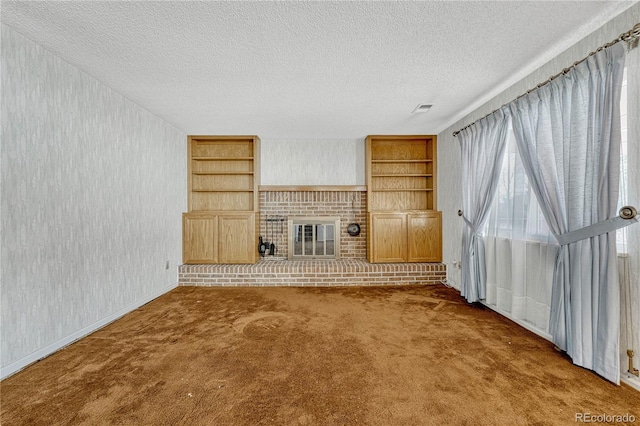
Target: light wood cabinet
point(388, 237)
point(424, 237)
point(404, 224)
point(222, 197)
point(236, 238)
point(405, 237)
point(219, 237)
point(199, 233)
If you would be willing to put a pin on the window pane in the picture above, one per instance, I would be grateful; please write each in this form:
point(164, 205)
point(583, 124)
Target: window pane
point(297, 241)
point(307, 248)
point(515, 212)
point(320, 240)
point(330, 241)
point(314, 238)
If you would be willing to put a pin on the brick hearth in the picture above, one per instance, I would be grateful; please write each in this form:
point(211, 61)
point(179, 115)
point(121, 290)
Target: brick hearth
point(344, 272)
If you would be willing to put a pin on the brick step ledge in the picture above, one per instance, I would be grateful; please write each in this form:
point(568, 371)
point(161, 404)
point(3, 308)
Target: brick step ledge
point(282, 272)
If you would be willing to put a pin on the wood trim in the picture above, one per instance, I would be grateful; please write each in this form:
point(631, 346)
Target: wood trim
point(399, 137)
point(300, 188)
point(224, 137)
point(434, 171)
point(256, 181)
point(368, 180)
point(189, 173)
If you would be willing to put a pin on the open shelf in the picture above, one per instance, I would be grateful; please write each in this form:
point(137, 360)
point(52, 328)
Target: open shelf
point(398, 165)
point(220, 165)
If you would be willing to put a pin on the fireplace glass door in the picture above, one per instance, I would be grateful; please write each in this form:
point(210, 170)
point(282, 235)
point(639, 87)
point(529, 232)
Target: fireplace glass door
point(314, 238)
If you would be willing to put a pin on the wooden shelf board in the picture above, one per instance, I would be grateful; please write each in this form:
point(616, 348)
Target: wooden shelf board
point(294, 188)
point(222, 158)
point(222, 190)
point(423, 160)
point(402, 175)
point(402, 190)
point(221, 173)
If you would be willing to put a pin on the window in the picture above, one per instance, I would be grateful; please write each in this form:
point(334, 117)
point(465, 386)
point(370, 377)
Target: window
point(515, 212)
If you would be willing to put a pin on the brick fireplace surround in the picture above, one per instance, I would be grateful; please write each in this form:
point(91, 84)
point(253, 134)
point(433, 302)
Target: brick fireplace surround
point(351, 269)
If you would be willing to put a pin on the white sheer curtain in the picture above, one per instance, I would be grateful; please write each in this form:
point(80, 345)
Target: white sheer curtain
point(520, 250)
point(629, 237)
point(568, 136)
point(482, 147)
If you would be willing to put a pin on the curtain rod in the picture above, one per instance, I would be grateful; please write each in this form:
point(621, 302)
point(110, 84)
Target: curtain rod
point(630, 36)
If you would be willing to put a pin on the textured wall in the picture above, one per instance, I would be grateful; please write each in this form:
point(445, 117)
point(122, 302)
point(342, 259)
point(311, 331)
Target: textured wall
point(449, 185)
point(92, 191)
point(312, 162)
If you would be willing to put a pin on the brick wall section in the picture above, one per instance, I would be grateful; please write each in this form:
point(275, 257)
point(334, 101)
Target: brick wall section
point(352, 269)
point(350, 206)
point(343, 272)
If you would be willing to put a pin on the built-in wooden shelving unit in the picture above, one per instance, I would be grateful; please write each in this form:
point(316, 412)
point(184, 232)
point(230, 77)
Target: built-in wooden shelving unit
point(404, 223)
point(222, 187)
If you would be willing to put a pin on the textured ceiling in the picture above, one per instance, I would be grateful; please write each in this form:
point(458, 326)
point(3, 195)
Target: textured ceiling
point(308, 70)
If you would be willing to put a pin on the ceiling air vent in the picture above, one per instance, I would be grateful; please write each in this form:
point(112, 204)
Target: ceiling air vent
point(422, 108)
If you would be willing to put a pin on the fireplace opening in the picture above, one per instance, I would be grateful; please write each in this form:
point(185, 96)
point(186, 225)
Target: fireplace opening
point(314, 238)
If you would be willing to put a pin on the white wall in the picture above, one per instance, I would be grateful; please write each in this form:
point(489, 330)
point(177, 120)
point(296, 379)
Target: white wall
point(312, 162)
point(449, 184)
point(92, 191)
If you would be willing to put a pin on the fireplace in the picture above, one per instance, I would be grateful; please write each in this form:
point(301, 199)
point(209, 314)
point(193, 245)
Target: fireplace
point(349, 206)
point(315, 237)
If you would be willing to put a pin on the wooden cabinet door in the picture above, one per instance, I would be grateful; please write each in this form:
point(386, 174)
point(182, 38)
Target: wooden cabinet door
point(236, 238)
point(425, 236)
point(388, 237)
point(199, 238)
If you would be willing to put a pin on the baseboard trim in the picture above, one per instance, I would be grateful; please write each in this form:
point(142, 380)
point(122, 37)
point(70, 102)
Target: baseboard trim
point(18, 365)
point(521, 323)
point(632, 381)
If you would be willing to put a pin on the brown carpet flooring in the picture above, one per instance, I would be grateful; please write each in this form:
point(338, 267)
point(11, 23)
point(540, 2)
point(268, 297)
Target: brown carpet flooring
point(310, 356)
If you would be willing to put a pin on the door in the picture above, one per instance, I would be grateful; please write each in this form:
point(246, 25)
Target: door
point(425, 236)
point(199, 236)
point(236, 238)
point(388, 237)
